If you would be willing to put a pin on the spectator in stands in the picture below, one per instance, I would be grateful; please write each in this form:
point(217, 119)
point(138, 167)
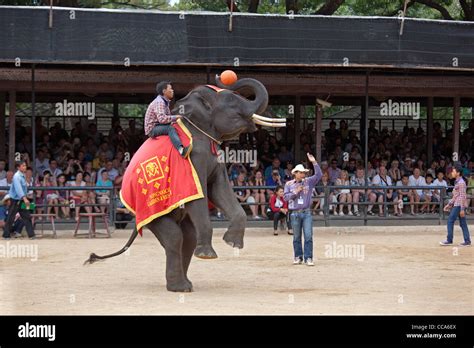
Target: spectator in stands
point(6, 182)
point(3, 172)
point(234, 170)
point(417, 180)
point(134, 136)
point(274, 180)
point(118, 180)
point(405, 195)
point(122, 214)
point(433, 168)
point(377, 194)
point(94, 134)
point(105, 151)
point(289, 168)
point(111, 167)
point(244, 195)
point(394, 172)
point(334, 172)
point(41, 162)
point(470, 190)
point(259, 194)
point(100, 161)
point(51, 196)
point(421, 166)
point(429, 197)
point(79, 196)
point(54, 169)
point(266, 155)
point(318, 195)
point(350, 166)
point(91, 148)
point(103, 196)
point(359, 194)
point(285, 155)
point(274, 166)
point(279, 211)
point(407, 167)
point(343, 195)
point(73, 167)
point(63, 196)
point(88, 169)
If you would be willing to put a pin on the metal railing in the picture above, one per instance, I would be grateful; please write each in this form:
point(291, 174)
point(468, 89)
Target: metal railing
point(328, 191)
point(325, 193)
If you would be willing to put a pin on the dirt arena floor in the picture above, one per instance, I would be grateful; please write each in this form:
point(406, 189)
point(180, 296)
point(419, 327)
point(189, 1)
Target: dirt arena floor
point(371, 270)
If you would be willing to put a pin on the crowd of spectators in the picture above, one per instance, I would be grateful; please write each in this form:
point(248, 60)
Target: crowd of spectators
point(395, 159)
point(86, 157)
point(83, 157)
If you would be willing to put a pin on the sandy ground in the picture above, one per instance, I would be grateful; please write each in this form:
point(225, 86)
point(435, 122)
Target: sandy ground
point(400, 270)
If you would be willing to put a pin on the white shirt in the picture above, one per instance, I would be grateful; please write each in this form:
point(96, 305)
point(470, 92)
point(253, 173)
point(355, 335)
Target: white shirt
point(41, 166)
point(417, 182)
point(439, 183)
point(377, 181)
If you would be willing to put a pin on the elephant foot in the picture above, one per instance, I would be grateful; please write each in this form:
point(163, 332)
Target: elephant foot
point(184, 286)
point(235, 240)
point(205, 252)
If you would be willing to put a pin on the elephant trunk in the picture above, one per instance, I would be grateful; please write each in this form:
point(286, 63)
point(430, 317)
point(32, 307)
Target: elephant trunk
point(257, 106)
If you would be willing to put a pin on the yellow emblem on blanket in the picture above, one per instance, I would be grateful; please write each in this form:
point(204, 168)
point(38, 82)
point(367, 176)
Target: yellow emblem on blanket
point(152, 170)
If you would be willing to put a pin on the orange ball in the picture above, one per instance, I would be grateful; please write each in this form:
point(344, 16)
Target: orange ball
point(228, 77)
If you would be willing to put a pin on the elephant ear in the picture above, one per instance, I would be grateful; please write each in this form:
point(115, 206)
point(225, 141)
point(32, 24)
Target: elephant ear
point(197, 104)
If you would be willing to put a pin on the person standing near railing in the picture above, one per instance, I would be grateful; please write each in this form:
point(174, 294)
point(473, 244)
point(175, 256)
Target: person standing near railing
point(457, 205)
point(298, 194)
point(17, 195)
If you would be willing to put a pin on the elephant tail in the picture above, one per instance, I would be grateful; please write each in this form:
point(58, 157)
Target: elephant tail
point(93, 257)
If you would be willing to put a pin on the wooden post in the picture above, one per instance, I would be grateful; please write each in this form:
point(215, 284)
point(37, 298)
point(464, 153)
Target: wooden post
point(2, 126)
point(297, 118)
point(456, 127)
point(429, 129)
point(11, 139)
point(319, 131)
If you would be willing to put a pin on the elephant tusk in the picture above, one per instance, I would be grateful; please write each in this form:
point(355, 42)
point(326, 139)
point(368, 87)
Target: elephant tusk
point(269, 124)
point(268, 119)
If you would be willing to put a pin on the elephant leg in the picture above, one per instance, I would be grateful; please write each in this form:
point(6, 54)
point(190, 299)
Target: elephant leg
point(189, 244)
point(198, 213)
point(222, 195)
point(170, 236)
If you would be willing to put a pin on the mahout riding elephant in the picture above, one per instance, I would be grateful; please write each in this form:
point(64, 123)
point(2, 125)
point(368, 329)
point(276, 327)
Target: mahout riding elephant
point(212, 115)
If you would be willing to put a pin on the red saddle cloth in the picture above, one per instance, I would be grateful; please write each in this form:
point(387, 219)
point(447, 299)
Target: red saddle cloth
point(158, 179)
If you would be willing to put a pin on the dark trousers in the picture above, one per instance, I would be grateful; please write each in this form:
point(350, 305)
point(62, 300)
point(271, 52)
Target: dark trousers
point(280, 216)
point(163, 129)
point(25, 216)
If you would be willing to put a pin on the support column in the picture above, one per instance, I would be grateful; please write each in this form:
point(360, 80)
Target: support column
point(11, 138)
point(429, 129)
point(318, 130)
point(2, 126)
point(456, 127)
point(297, 121)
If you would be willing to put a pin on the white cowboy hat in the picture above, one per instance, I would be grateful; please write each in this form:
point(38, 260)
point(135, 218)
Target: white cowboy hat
point(299, 168)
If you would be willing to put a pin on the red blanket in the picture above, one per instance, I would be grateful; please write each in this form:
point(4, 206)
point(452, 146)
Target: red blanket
point(158, 179)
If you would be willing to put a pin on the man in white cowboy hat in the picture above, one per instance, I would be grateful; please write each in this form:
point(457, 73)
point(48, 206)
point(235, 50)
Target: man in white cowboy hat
point(298, 194)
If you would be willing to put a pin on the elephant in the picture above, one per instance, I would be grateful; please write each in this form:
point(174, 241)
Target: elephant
point(212, 115)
